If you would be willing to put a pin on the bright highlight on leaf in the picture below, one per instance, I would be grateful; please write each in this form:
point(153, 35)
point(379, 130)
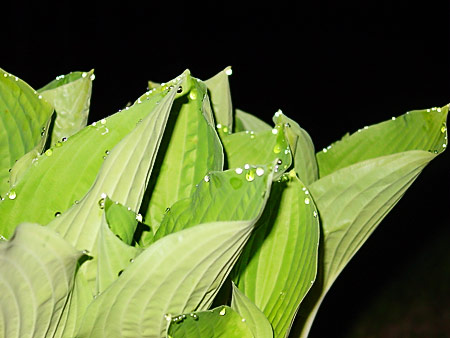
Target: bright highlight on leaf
point(152, 221)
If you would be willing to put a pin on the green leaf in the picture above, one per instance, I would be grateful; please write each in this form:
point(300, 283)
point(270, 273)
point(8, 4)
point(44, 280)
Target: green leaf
point(123, 179)
point(72, 167)
point(190, 148)
point(114, 255)
point(219, 91)
point(23, 117)
point(70, 96)
point(179, 273)
point(73, 312)
point(416, 130)
point(222, 321)
point(279, 263)
point(302, 147)
point(36, 276)
point(352, 202)
point(221, 196)
point(246, 121)
point(257, 322)
point(258, 148)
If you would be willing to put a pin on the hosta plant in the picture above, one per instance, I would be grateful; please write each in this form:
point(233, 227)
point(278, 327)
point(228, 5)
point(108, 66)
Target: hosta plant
point(181, 217)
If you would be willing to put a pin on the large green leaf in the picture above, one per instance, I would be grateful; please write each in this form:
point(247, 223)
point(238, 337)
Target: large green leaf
point(179, 273)
point(230, 195)
point(71, 166)
point(123, 176)
point(257, 322)
point(279, 263)
point(222, 321)
point(416, 130)
point(305, 163)
point(352, 201)
point(36, 276)
point(219, 91)
point(249, 122)
point(23, 117)
point(190, 148)
point(70, 95)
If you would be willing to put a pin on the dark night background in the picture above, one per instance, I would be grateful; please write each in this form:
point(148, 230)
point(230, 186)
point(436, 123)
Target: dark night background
point(332, 66)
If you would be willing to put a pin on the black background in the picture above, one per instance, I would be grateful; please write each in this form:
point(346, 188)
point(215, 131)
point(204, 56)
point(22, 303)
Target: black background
point(332, 66)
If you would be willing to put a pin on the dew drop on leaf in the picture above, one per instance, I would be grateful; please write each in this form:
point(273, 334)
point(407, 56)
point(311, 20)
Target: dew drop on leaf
point(57, 214)
point(259, 171)
point(307, 200)
point(49, 152)
point(12, 195)
point(239, 171)
point(250, 176)
point(222, 312)
point(206, 178)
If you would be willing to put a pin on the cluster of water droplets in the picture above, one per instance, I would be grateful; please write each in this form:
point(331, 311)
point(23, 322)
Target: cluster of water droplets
point(84, 74)
point(101, 126)
point(224, 129)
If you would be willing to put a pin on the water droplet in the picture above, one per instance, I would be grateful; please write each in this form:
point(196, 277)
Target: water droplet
point(5, 75)
point(101, 203)
point(307, 200)
point(277, 149)
point(167, 210)
point(225, 129)
point(366, 127)
point(222, 312)
point(12, 195)
point(324, 150)
point(57, 214)
point(428, 110)
point(94, 124)
point(40, 97)
point(393, 118)
point(218, 126)
point(103, 121)
point(238, 171)
point(131, 260)
point(247, 166)
point(76, 202)
point(274, 131)
point(228, 71)
point(259, 171)
point(439, 110)
point(279, 161)
point(444, 145)
point(243, 319)
point(168, 317)
point(84, 75)
point(107, 152)
point(85, 252)
point(443, 129)
point(139, 218)
point(49, 152)
point(287, 151)
point(250, 176)
point(306, 192)
point(180, 89)
point(16, 78)
point(58, 144)
point(92, 77)
point(278, 113)
point(64, 139)
point(315, 214)
point(193, 95)
point(206, 178)
point(120, 272)
point(106, 131)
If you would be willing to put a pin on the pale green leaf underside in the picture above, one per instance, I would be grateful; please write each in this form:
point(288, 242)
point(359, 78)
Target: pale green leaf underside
point(222, 321)
point(279, 263)
point(189, 149)
point(74, 164)
point(171, 276)
point(37, 269)
point(220, 196)
point(23, 115)
point(245, 121)
point(70, 96)
point(416, 130)
point(352, 202)
point(256, 321)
